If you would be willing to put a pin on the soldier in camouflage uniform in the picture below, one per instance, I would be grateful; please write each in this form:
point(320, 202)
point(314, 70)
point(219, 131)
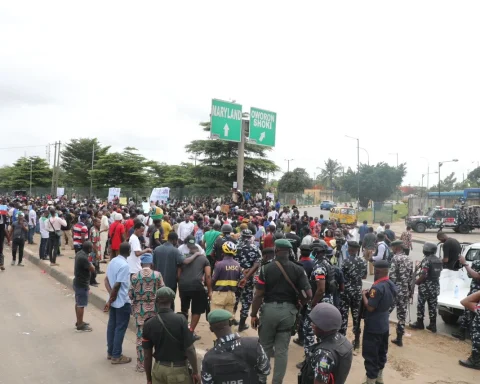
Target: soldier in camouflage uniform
point(472, 303)
point(318, 282)
point(428, 290)
point(249, 257)
point(474, 273)
point(401, 274)
point(354, 269)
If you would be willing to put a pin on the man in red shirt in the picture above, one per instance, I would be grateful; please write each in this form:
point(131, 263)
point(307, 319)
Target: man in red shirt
point(116, 234)
point(80, 233)
point(130, 223)
point(269, 240)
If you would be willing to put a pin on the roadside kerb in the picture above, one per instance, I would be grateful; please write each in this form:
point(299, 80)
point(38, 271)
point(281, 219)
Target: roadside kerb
point(97, 299)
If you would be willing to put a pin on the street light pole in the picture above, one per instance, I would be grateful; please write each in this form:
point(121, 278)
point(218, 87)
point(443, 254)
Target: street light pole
point(358, 168)
point(368, 156)
point(288, 164)
point(440, 163)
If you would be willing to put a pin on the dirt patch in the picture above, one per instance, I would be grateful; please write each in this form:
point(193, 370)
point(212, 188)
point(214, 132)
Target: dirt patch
point(406, 368)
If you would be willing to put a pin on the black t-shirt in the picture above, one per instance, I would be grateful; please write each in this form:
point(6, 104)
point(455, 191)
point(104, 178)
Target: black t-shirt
point(82, 270)
point(294, 240)
point(451, 251)
point(166, 347)
point(277, 287)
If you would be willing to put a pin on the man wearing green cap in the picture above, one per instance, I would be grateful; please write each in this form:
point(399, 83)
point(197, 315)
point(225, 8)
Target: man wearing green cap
point(233, 359)
point(167, 339)
point(280, 285)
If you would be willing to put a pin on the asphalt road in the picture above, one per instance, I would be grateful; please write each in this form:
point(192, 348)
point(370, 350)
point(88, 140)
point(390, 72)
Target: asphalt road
point(39, 342)
point(415, 255)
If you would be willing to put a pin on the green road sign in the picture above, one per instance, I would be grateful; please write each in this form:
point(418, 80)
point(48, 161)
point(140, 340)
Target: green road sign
point(262, 127)
point(226, 121)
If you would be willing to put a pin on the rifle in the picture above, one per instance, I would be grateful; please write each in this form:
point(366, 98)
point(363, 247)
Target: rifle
point(412, 283)
point(361, 309)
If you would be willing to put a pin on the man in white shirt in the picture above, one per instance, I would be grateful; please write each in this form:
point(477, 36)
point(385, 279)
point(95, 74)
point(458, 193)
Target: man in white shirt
point(32, 223)
point(136, 249)
point(381, 228)
point(273, 214)
point(54, 227)
point(381, 248)
point(184, 249)
point(42, 251)
point(185, 229)
point(104, 226)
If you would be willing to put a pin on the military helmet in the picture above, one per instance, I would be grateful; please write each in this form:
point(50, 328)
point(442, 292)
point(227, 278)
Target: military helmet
point(429, 249)
point(229, 248)
point(319, 246)
point(227, 228)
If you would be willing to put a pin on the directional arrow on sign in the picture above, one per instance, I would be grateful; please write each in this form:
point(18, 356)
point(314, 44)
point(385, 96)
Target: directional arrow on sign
point(225, 130)
point(262, 136)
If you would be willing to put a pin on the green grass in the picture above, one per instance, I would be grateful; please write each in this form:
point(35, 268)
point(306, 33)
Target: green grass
point(402, 211)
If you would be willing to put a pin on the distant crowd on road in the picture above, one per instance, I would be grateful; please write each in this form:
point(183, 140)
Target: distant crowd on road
point(286, 271)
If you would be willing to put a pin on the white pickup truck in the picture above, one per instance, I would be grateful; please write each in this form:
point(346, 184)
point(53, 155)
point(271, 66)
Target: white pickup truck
point(449, 307)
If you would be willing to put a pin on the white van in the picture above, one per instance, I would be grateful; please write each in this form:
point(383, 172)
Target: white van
point(449, 307)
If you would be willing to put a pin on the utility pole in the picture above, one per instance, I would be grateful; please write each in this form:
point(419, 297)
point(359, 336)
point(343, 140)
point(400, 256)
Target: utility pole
point(241, 156)
point(91, 175)
point(54, 168)
point(31, 172)
point(57, 174)
point(358, 168)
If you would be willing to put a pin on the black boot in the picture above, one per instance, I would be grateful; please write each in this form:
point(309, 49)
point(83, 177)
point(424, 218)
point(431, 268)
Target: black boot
point(398, 341)
point(418, 324)
point(472, 362)
point(356, 342)
point(432, 327)
point(461, 334)
point(242, 326)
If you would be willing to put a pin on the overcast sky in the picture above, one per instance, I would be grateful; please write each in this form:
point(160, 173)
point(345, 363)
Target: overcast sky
point(402, 76)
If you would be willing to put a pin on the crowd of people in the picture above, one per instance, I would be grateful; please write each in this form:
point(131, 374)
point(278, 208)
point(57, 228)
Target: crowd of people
point(289, 272)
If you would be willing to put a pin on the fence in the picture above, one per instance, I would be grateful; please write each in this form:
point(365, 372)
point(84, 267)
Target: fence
point(312, 197)
point(382, 212)
point(423, 204)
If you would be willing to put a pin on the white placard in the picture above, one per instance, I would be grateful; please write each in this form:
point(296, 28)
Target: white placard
point(270, 195)
point(235, 184)
point(112, 192)
point(60, 191)
point(160, 194)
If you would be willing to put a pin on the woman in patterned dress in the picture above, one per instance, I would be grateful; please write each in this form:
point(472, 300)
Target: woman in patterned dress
point(142, 293)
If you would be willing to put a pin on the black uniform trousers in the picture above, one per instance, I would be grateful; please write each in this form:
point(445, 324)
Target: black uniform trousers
point(374, 352)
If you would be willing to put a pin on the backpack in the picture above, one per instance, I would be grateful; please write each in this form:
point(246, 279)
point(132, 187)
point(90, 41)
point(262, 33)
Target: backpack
point(436, 267)
point(331, 285)
point(387, 255)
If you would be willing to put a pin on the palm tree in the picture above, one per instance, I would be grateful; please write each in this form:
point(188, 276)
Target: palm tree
point(330, 172)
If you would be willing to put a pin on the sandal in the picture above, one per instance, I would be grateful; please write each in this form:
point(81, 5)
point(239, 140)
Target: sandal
point(84, 328)
point(121, 360)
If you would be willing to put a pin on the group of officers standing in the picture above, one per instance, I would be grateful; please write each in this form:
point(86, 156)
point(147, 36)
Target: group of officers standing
point(313, 296)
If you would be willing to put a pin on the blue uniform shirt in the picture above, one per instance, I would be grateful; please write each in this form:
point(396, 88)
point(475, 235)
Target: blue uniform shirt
point(381, 297)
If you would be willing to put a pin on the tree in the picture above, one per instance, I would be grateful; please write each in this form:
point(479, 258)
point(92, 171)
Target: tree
point(77, 160)
point(173, 176)
point(295, 181)
point(446, 184)
point(377, 182)
point(124, 169)
point(474, 177)
point(17, 176)
point(218, 162)
point(330, 172)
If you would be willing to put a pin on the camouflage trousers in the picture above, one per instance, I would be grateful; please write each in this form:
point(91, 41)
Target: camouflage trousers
point(245, 295)
point(468, 315)
point(401, 303)
point(475, 333)
point(349, 302)
point(309, 336)
point(428, 293)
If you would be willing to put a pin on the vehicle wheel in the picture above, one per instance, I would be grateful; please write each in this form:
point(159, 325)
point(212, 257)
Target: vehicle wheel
point(455, 229)
point(449, 318)
point(420, 228)
point(464, 229)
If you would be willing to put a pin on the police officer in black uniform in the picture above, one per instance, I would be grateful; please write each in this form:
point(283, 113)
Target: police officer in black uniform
point(377, 302)
point(328, 361)
point(233, 359)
